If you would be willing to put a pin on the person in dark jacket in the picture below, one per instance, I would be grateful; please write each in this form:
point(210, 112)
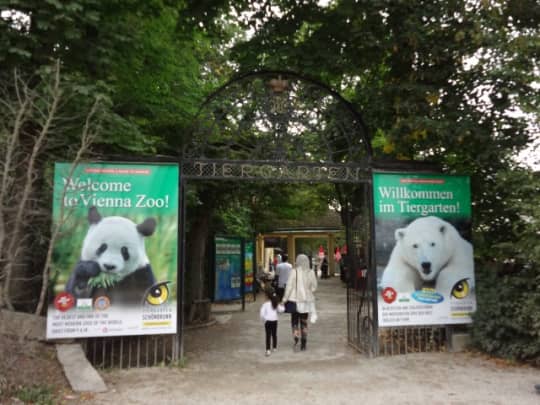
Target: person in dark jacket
point(324, 268)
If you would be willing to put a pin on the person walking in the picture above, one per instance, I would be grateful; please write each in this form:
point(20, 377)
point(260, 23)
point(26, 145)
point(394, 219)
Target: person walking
point(324, 268)
point(283, 271)
point(269, 315)
point(300, 289)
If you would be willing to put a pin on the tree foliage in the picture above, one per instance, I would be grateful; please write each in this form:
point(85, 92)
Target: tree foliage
point(142, 54)
point(259, 207)
point(137, 56)
point(507, 322)
point(453, 82)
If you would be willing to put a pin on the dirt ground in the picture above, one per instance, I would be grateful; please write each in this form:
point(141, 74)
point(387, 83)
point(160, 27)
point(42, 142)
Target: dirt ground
point(225, 364)
point(29, 369)
point(26, 364)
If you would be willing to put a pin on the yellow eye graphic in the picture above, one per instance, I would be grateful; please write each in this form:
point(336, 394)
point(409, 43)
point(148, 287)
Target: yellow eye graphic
point(158, 294)
point(461, 289)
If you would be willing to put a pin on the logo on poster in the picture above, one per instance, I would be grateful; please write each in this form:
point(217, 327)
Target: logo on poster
point(427, 296)
point(64, 301)
point(389, 295)
point(84, 303)
point(102, 303)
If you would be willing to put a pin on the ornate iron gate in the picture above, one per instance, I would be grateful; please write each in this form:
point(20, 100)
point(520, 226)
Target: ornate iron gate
point(278, 126)
point(296, 129)
point(271, 126)
point(361, 326)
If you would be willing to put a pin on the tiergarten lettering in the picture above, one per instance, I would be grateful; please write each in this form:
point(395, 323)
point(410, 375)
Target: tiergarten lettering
point(273, 171)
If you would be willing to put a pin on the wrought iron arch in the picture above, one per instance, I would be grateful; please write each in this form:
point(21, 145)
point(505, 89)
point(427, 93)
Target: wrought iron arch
point(279, 117)
point(282, 126)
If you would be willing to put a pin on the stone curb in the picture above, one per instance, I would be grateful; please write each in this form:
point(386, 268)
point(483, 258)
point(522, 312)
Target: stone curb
point(79, 372)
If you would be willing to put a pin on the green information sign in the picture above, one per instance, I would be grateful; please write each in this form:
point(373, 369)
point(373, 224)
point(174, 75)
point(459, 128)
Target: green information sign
point(228, 268)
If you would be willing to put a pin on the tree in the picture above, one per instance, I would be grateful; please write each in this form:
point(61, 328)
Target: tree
point(451, 82)
point(143, 56)
point(33, 123)
point(507, 323)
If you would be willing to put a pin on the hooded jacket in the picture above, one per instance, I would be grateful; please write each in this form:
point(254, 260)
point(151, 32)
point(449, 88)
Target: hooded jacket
point(301, 285)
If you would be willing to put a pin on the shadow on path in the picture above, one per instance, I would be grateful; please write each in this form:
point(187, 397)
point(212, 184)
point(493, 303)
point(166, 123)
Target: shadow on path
point(238, 337)
point(225, 364)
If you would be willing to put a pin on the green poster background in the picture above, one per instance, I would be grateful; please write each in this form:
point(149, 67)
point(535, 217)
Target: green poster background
point(416, 195)
point(134, 191)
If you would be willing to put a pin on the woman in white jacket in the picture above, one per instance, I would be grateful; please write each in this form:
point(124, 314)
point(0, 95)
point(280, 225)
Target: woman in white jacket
point(301, 285)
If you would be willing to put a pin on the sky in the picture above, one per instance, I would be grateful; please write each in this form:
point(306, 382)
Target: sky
point(531, 156)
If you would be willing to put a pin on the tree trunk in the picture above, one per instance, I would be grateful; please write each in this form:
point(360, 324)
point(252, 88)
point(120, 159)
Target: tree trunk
point(196, 259)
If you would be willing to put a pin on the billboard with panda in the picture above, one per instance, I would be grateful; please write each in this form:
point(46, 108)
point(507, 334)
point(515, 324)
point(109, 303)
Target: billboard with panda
point(424, 255)
point(115, 259)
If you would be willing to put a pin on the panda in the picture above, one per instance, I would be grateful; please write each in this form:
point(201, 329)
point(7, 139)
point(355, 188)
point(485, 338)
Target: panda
point(113, 260)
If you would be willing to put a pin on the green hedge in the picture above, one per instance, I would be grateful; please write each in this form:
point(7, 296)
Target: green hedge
point(507, 322)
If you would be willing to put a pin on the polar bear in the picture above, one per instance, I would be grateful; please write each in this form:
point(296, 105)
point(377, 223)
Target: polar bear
point(430, 252)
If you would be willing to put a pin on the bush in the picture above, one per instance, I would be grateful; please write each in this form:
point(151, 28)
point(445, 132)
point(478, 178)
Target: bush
point(507, 322)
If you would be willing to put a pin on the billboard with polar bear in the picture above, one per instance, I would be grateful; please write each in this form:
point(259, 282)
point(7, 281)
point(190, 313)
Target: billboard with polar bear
point(424, 257)
point(114, 263)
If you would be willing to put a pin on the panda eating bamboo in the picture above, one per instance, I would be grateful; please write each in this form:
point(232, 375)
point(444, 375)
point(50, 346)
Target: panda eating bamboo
point(113, 260)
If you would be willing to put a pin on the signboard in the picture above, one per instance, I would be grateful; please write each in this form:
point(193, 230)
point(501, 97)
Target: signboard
point(248, 266)
point(228, 268)
point(114, 267)
point(425, 266)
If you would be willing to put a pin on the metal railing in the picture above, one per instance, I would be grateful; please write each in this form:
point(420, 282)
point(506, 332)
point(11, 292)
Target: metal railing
point(407, 339)
point(132, 351)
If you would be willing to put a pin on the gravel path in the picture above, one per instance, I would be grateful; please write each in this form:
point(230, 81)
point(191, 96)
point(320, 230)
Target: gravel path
point(225, 364)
